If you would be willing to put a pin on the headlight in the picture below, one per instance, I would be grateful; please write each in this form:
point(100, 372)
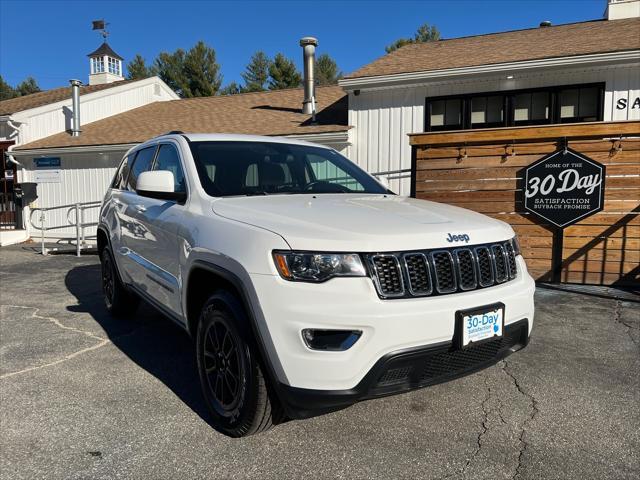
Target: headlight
point(516, 246)
point(318, 267)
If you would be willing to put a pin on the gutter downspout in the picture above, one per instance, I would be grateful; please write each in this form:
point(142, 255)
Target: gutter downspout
point(11, 158)
point(16, 129)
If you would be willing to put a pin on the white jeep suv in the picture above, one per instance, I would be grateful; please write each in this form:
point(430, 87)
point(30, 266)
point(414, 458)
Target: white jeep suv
point(306, 284)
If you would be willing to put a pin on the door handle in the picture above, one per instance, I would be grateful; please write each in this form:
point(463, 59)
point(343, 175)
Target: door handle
point(140, 208)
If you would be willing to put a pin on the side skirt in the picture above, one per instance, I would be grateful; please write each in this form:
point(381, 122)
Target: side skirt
point(158, 306)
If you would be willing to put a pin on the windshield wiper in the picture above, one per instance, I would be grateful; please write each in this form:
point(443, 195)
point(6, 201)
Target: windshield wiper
point(253, 194)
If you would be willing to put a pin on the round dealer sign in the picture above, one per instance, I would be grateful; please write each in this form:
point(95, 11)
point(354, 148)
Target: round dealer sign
point(564, 187)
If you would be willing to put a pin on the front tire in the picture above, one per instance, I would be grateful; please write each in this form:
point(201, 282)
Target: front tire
point(117, 299)
point(233, 384)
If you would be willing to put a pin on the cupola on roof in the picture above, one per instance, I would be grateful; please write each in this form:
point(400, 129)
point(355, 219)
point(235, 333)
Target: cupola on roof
point(103, 50)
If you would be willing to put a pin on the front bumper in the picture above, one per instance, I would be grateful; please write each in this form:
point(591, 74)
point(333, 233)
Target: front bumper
point(407, 370)
point(388, 326)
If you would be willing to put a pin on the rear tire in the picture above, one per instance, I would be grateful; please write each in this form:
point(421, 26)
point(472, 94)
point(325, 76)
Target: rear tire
point(233, 384)
point(117, 299)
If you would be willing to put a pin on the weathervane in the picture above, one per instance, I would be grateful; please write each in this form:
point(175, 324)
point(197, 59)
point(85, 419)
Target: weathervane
point(101, 25)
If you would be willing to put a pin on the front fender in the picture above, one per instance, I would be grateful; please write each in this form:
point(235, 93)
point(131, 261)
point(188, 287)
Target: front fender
point(233, 272)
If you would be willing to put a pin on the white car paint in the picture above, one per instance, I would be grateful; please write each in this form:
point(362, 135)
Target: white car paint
point(157, 243)
point(361, 223)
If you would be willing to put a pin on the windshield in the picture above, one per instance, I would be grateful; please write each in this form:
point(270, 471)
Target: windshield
point(263, 168)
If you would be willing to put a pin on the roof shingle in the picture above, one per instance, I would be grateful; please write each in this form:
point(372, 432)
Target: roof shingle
point(598, 36)
point(261, 113)
point(33, 100)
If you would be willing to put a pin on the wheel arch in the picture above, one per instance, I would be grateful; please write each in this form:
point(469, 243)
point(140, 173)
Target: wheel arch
point(102, 238)
point(203, 279)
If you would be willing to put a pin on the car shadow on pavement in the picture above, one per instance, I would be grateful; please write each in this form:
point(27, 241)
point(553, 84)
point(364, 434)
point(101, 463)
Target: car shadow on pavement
point(148, 338)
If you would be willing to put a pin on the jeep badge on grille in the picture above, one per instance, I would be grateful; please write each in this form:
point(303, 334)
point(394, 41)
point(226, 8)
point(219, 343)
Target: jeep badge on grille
point(458, 238)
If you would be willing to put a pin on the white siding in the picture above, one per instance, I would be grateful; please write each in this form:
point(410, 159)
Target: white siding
point(84, 178)
point(383, 118)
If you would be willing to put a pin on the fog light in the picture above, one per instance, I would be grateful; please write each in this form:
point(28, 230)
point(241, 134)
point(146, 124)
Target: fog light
point(333, 340)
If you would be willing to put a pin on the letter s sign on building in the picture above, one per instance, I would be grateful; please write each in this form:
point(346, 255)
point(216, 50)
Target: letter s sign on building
point(564, 187)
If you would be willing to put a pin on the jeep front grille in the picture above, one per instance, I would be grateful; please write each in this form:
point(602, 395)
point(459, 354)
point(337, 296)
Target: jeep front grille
point(442, 271)
point(388, 275)
point(419, 273)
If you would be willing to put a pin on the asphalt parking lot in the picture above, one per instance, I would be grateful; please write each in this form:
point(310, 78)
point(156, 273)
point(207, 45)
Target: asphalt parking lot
point(85, 396)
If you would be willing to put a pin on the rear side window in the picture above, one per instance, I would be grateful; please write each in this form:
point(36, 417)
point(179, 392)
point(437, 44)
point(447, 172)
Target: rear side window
point(121, 175)
point(168, 159)
point(142, 163)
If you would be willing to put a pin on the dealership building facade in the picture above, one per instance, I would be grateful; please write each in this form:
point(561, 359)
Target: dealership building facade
point(389, 114)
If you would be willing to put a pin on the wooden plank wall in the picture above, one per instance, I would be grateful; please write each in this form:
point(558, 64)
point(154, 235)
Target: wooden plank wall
point(487, 176)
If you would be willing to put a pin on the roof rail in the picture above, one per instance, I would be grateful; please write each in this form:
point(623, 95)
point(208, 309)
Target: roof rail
point(172, 132)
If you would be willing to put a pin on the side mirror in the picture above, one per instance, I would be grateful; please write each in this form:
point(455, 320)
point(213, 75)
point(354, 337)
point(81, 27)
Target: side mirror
point(158, 184)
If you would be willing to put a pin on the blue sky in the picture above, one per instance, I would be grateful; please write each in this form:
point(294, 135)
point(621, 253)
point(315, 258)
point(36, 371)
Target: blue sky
point(50, 39)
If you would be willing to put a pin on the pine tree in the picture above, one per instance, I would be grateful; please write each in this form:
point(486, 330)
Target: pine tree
point(190, 74)
point(170, 68)
point(231, 89)
point(401, 42)
point(137, 69)
point(202, 71)
point(256, 74)
point(327, 70)
point(283, 73)
point(28, 86)
point(425, 33)
point(6, 90)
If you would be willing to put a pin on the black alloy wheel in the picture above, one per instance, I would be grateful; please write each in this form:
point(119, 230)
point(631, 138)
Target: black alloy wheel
point(234, 388)
point(107, 280)
point(117, 299)
point(224, 367)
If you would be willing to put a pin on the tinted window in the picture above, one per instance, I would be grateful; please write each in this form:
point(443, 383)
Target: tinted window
point(487, 111)
point(168, 159)
point(579, 104)
point(531, 108)
point(142, 163)
point(263, 168)
point(121, 175)
point(445, 114)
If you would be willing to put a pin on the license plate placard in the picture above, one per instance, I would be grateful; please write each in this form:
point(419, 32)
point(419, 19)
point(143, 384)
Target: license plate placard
point(481, 324)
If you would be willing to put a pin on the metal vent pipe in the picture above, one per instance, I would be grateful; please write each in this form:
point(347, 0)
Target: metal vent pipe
point(75, 105)
point(309, 45)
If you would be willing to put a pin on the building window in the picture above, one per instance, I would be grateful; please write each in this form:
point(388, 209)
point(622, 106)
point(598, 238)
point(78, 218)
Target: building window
point(531, 108)
point(571, 104)
point(97, 65)
point(445, 114)
point(487, 111)
point(114, 66)
point(579, 104)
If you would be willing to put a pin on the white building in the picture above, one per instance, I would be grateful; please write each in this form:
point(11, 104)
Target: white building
point(33, 117)
point(86, 163)
point(588, 71)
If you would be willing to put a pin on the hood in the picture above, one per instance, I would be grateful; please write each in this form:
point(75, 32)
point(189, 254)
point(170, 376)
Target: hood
point(362, 223)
